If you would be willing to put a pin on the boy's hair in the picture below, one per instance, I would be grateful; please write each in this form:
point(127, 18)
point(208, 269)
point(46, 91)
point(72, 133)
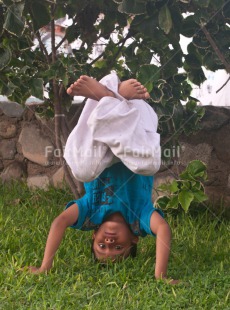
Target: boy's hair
point(132, 252)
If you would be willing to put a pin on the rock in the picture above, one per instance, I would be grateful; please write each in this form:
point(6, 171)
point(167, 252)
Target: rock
point(159, 179)
point(33, 101)
point(1, 165)
point(38, 181)
point(7, 130)
point(215, 118)
point(15, 171)
point(58, 179)
point(35, 146)
point(221, 144)
point(218, 196)
point(217, 172)
point(8, 149)
point(19, 148)
point(29, 114)
point(11, 109)
point(201, 151)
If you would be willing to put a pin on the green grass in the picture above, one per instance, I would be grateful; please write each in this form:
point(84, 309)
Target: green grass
point(200, 257)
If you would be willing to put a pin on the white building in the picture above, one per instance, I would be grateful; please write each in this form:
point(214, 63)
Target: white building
point(207, 93)
point(210, 92)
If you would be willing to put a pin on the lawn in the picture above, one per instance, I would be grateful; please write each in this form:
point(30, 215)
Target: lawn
point(200, 257)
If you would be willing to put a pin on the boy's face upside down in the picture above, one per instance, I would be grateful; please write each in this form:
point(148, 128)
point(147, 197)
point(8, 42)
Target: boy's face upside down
point(113, 240)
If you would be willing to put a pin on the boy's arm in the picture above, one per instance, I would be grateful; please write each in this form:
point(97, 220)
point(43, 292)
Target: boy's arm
point(57, 230)
point(163, 242)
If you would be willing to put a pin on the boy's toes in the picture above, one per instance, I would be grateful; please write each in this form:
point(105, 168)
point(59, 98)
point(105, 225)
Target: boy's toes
point(69, 91)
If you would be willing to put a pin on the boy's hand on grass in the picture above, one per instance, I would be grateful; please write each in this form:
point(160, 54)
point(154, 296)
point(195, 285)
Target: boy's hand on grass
point(170, 281)
point(36, 270)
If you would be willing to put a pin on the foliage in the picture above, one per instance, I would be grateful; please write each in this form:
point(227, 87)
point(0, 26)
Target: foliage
point(186, 190)
point(154, 32)
point(138, 38)
point(25, 70)
point(200, 257)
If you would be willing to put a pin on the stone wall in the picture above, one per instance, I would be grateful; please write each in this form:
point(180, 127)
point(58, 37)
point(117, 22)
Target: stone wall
point(27, 150)
point(211, 145)
point(27, 147)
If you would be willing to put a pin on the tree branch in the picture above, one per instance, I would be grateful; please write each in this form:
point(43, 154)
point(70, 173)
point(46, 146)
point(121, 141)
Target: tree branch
point(77, 189)
point(77, 114)
point(38, 37)
point(223, 85)
point(216, 49)
point(60, 43)
point(42, 46)
point(52, 24)
point(64, 38)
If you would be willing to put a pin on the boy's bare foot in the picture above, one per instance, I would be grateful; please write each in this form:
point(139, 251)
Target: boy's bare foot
point(90, 88)
point(132, 89)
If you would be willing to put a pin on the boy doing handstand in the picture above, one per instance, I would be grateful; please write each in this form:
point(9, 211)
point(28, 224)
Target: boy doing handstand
point(114, 149)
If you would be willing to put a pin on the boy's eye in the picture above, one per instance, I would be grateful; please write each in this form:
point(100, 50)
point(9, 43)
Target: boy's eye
point(101, 245)
point(118, 247)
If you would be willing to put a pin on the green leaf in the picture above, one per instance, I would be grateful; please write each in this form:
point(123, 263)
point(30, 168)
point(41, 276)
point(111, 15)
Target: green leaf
point(174, 202)
point(189, 27)
point(144, 56)
point(65, 79)
point(161, 202)
point(179, 78)
point(15, 22)
point(197, 168)
point(167, 91)
point(191, 105)
point(36, 87)
point(72, 32)
point(156, 94)
point(202, 17)
point(173, 186)
point(184, 175)
point(185, 185)
point(202, 3)
point(193, 61)
point(24, 43)
point(7, 2)
point(163, 187)
point(177, 18)
point(186, 91)
point(132, 7)
point(8, 89)
point(199, 196)
point(196, 185)
point(196, 76)
point(200, 41)
point(5, 57)
point(226, 10)
point(148, 74)
point(178, 113)
point(144, 24)
point(165, 19)
point(1, 19)
point(185, 198)
point(78, 6)
point(40, 15)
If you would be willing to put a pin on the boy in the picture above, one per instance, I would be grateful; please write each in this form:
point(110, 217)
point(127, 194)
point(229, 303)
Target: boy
point(100, 151)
